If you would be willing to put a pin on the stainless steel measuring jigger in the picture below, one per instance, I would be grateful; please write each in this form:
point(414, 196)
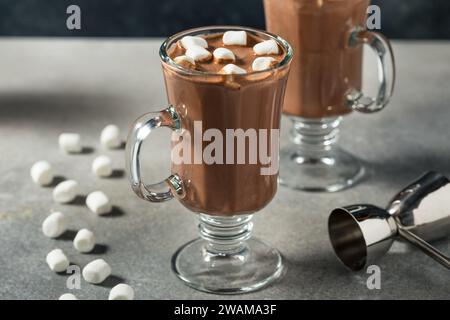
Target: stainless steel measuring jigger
point(418, 214)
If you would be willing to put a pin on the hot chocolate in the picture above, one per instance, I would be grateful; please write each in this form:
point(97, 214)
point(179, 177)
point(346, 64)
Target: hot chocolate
point(324, 67)
point(223, 91)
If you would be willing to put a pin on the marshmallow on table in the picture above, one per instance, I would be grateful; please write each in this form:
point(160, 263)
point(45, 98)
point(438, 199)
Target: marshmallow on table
point(67, 296)
point(266, 47)
point(121, 292)
point(65, 191)
point(232, 69)
point(238, 38)
point(198, 53)
point(110, 137)
point(263, 63)
point(190, 41)
point(98, 203)
point(101, 166)
point(185, 62)
point(84, 241)
point(41, 173)
point(54, 225)
point(57, 260)
point(223, 55)
point(96, 271)
point(70, 142)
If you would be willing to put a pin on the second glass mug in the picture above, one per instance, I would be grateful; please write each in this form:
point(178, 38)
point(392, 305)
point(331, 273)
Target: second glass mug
point(325, 84)
point(225, 259)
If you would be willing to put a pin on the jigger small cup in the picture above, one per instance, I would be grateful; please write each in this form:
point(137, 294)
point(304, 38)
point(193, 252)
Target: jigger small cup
point(360, 234)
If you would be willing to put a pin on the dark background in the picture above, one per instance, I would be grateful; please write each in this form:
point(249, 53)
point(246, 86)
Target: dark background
point(411, 19)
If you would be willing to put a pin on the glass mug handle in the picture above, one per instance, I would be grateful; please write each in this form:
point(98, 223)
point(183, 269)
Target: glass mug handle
point(142, 127)
point(386, 78)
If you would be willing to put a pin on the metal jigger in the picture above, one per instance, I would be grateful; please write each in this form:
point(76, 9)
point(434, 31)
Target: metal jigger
point(419, 213)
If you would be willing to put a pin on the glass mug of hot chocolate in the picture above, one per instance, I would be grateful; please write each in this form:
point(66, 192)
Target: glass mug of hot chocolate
point(325, 83)
point(225, 87)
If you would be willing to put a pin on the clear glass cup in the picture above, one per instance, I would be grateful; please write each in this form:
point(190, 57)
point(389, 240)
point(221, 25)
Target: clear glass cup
point(225, 258)
point(325, 84)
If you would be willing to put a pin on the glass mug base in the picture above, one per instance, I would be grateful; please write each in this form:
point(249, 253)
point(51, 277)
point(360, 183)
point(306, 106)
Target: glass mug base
point(313, 162)
point(331, 173)
point(225, 260)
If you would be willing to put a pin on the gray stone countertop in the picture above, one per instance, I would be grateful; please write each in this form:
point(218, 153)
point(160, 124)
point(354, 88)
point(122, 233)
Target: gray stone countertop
point(48, 86)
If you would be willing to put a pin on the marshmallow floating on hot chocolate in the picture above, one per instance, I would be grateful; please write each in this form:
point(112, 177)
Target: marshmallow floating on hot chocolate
point(232, 69)
point(190, 41)
point(215, 58)
point(54, 225)
point(185, 62)
point(41, 173)
point(65, 191)
point(263, 63)
point(70, 142)
point(98, 203)
point(222, 55)
point(96, 271)
point(266, 47)
point(198, 53)
point(237, 38)
point(57, 260)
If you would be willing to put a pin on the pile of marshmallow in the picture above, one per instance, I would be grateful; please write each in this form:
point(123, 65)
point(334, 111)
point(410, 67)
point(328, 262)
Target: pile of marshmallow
point(196, 51)
point(65, 192)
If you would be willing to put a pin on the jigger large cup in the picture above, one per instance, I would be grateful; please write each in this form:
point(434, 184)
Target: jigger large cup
point(360, 234)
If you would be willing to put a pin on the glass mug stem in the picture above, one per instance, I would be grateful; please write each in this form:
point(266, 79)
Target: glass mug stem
point(225, 235)
point(315, 135)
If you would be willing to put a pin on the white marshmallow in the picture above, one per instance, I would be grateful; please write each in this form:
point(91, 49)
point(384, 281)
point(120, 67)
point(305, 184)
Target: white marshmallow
point(266, 47)
point(54, 225)
point(65, 191)
point(101, 166)
point(223, 54)
point(263, 63)
point(57, 260)
point(70, 142)
point(121, 292)
point(232, 69)
point(110, 137)
point(238, 38)
point(190, 41)
point(68, 296)
point(96, 271)
point(41, 172)
point(185, 62)
point(98, 203)
point(198, 53)
point(84, 241)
